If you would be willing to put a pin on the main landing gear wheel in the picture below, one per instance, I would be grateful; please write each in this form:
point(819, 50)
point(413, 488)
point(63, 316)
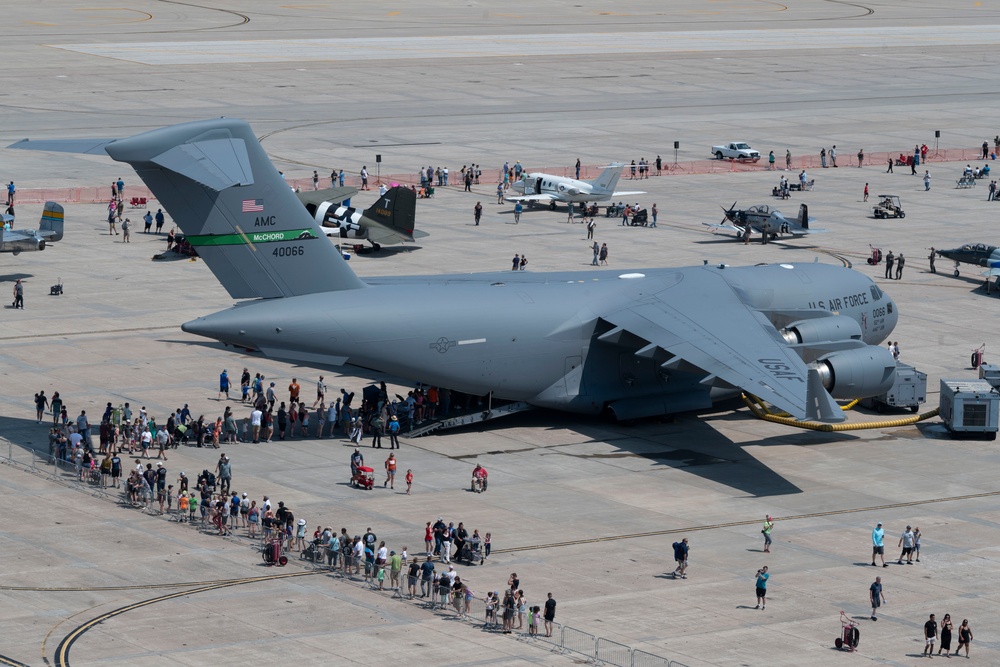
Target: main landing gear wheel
point(956, 273)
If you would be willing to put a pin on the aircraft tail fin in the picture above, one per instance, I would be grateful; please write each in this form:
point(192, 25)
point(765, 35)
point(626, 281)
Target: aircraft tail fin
point(396, 209)
point(804, 216)
point(606, 182)
point(52, 221)
point(217, 183)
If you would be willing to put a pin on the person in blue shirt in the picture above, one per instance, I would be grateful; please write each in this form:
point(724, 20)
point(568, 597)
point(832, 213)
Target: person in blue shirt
point(762, 577)
point(223, 382)
point(681, 556)
point(877, 548)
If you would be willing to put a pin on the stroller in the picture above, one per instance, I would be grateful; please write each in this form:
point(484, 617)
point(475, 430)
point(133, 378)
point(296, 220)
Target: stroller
point(208, 478)
point(313, 551)
point(470, 553)
point(640, 218)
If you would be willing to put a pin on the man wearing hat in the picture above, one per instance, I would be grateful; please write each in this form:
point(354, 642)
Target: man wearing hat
point(877, 548)
point(766, 532)
point(393, 429)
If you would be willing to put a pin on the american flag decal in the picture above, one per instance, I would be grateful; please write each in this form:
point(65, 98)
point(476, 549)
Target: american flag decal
point(253, 205)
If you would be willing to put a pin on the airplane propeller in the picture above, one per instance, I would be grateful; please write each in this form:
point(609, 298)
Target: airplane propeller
point(729, 213)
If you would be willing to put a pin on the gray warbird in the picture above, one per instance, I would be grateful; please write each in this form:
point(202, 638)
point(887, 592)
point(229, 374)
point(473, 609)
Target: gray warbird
point(389, 220)
point(538, 187)
point(978, 254)
point(766, 221)
point(50, 230)
point(633, 344)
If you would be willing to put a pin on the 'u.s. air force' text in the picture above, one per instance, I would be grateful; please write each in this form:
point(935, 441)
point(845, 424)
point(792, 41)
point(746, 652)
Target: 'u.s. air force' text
point(839, 303)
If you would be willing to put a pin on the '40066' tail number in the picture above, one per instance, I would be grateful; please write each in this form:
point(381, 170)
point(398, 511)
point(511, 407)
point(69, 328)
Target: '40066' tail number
point(288, 251)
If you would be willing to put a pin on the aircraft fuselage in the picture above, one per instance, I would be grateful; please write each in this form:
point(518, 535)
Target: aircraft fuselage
point(530, 337)
point(560, 188)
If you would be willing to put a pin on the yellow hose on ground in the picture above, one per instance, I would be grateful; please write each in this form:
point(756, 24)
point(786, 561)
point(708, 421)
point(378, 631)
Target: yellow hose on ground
point(762, 413)
point(850, 405)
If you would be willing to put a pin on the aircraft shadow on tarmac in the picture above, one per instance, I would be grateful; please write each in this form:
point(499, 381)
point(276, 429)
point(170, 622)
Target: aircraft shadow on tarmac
point(12, 277)
point(387, 251)
point(695, 446)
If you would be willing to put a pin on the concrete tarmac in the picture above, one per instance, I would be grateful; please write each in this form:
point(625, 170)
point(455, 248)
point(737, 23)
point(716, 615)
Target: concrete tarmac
point(580, 507)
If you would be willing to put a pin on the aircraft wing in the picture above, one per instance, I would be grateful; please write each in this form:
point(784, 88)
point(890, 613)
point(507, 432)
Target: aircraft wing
point(317, 197)
point(629, 193)
point(733, 345)
point(723, 226)
point(531, 198)
point(383, 234)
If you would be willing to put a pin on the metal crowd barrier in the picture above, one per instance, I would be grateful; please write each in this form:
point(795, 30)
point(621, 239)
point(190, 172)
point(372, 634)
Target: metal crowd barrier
point(564, 639)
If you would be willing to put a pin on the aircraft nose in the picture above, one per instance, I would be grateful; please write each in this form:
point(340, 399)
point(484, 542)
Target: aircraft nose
point(892, 314)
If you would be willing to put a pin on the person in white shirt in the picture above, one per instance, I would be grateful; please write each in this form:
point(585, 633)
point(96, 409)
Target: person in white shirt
point(255, 419)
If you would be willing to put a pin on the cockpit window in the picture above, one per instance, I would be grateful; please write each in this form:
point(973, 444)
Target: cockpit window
point(876, 293)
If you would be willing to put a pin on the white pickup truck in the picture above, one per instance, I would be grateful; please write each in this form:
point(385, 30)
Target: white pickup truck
point(736, 150)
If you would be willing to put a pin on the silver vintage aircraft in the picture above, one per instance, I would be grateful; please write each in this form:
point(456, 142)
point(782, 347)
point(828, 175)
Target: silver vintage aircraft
point(50, 230)
point(538, 187)
point(634, 344)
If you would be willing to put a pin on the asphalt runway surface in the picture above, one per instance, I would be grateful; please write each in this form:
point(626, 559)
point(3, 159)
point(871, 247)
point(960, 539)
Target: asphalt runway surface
point(581, 507)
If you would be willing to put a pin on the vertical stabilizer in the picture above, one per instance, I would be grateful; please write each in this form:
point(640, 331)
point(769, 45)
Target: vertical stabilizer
point(804, 216)
point(52, 221)
point(608, 180)
point(397, 209)
point(219, 186)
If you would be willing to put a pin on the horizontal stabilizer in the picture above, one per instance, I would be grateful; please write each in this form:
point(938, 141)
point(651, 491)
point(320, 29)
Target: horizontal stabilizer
point(215, 163)
point(83, 146)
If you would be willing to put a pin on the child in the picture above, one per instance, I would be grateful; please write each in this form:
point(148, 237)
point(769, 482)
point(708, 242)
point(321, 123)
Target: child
point(409, 481)
point(192, 507)
point(170, 499)
point(182, 506)
point(486, 545)
point(533, 621)
point(381, 577)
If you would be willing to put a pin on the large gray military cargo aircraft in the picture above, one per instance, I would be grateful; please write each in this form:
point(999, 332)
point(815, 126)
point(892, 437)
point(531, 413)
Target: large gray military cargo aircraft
point(635, 344)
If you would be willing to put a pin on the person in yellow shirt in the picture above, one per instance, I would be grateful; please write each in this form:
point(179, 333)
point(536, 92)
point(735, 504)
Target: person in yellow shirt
point(766, 531)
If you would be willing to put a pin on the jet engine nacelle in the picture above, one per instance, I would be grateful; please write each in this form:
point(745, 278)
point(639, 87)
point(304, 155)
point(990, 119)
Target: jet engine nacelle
point(822, 329)
point(858, 373)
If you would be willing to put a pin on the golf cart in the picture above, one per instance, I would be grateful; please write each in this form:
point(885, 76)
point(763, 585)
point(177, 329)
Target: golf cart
point(888, 206)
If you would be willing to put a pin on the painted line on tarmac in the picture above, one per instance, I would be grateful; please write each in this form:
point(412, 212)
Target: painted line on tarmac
point(137, 587)
point(747, 522)
point(4, 660)
point(62, 651)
